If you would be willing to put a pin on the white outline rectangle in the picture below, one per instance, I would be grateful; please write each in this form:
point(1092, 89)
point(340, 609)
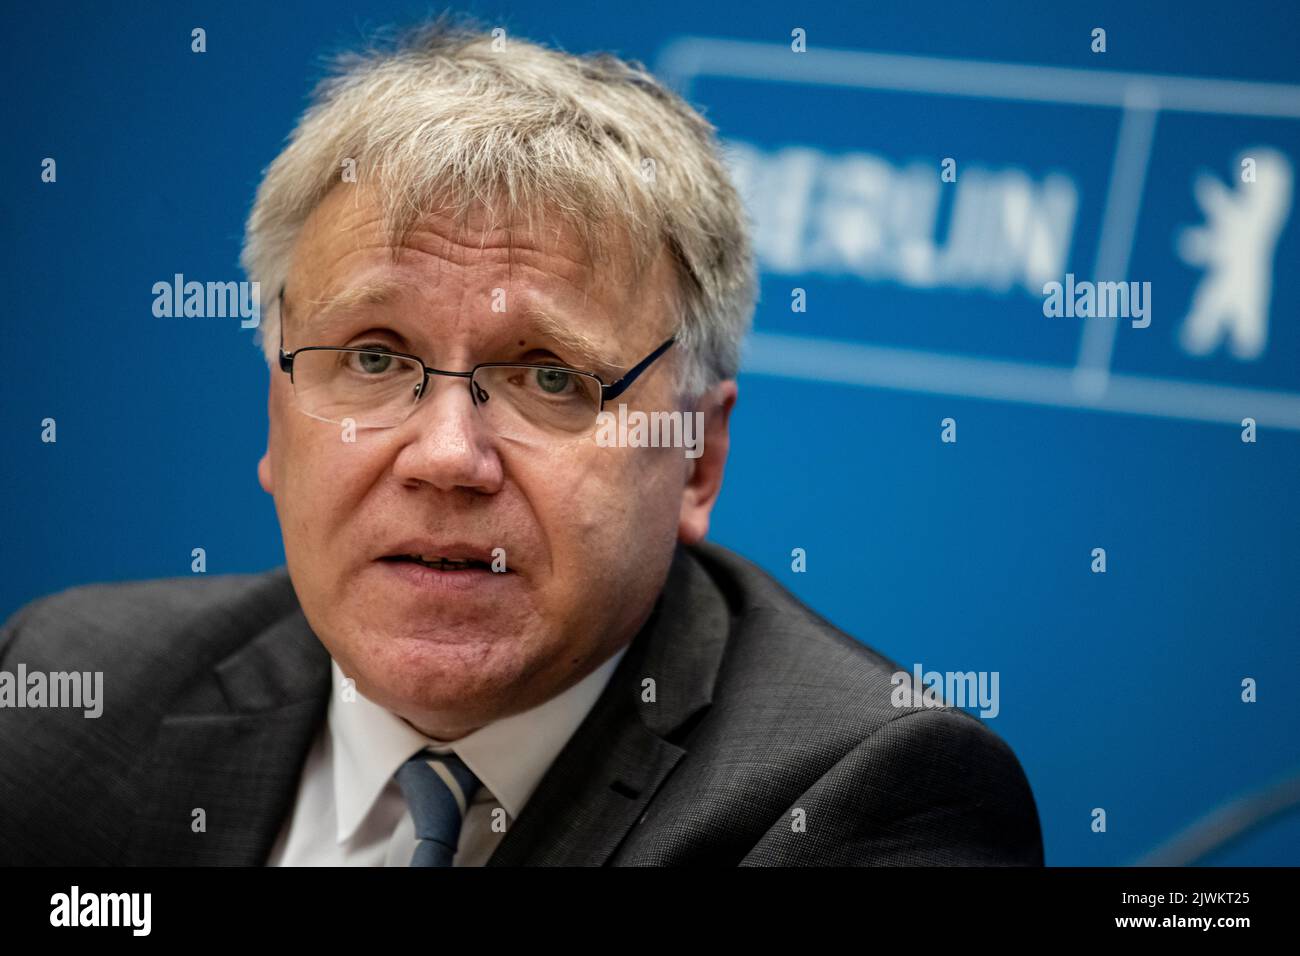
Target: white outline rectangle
point(1090, 384)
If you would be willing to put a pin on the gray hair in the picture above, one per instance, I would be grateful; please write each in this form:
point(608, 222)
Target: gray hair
point(450, 118)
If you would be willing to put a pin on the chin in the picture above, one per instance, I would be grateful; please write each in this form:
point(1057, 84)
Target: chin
point(424, 672)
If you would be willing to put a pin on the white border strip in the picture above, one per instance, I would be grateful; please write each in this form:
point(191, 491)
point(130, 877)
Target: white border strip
point(852, 363)
point(1119, 222)
point(1091, 384)
point(687, 57)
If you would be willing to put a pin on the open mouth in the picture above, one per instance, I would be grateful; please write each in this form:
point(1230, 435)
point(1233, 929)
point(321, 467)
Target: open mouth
point(439, 563)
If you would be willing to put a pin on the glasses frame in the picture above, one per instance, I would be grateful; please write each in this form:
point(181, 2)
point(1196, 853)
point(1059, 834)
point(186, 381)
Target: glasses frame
point(607, 392)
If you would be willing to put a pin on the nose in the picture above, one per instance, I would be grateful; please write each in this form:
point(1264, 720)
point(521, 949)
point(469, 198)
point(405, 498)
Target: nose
point(446, 443)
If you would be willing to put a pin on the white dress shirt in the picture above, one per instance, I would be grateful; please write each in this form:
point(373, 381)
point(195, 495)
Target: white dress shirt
point(350, 811)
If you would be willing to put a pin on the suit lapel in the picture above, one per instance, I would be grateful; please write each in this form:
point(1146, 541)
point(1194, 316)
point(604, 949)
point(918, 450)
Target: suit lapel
point(233, 747)
point(605, 777)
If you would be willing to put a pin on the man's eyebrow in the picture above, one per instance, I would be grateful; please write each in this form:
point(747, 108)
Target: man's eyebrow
point(586, 354)
point(375, 292)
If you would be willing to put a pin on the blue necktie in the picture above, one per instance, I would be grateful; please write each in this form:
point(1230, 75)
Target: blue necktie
point(438, 789)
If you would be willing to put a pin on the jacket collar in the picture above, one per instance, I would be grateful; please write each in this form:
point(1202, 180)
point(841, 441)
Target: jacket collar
point(607, 774)
point(233, 747)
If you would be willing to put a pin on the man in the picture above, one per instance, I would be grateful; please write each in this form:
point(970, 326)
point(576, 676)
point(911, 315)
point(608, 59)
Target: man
point(500, 637)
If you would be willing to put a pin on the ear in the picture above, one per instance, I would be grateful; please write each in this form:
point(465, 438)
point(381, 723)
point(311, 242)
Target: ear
point(264, 470)
point(705, 479)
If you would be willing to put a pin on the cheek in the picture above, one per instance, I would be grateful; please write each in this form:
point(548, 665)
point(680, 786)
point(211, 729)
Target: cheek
point(320, 479)
point(603, 510)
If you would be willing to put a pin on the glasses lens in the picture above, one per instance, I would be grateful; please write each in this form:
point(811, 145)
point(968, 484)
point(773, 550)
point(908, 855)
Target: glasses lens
point(528, 403)
point(375, 389)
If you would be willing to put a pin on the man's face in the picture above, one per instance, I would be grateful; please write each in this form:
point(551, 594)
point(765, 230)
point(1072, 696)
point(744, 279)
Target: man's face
point(587, 531)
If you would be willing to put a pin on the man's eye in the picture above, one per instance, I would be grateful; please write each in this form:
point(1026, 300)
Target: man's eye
point(553, 381)
point(371, 363)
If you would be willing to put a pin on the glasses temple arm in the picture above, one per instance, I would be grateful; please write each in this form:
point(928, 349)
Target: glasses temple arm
point(286, 360)
point(609, 392)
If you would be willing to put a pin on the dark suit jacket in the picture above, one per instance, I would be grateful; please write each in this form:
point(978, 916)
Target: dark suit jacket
point(214, 688)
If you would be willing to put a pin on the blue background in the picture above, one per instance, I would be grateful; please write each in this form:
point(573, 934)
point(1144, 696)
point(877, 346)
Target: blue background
point(1119, 690)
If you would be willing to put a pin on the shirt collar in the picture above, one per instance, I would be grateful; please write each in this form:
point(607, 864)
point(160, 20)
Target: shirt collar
point(509, 756)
